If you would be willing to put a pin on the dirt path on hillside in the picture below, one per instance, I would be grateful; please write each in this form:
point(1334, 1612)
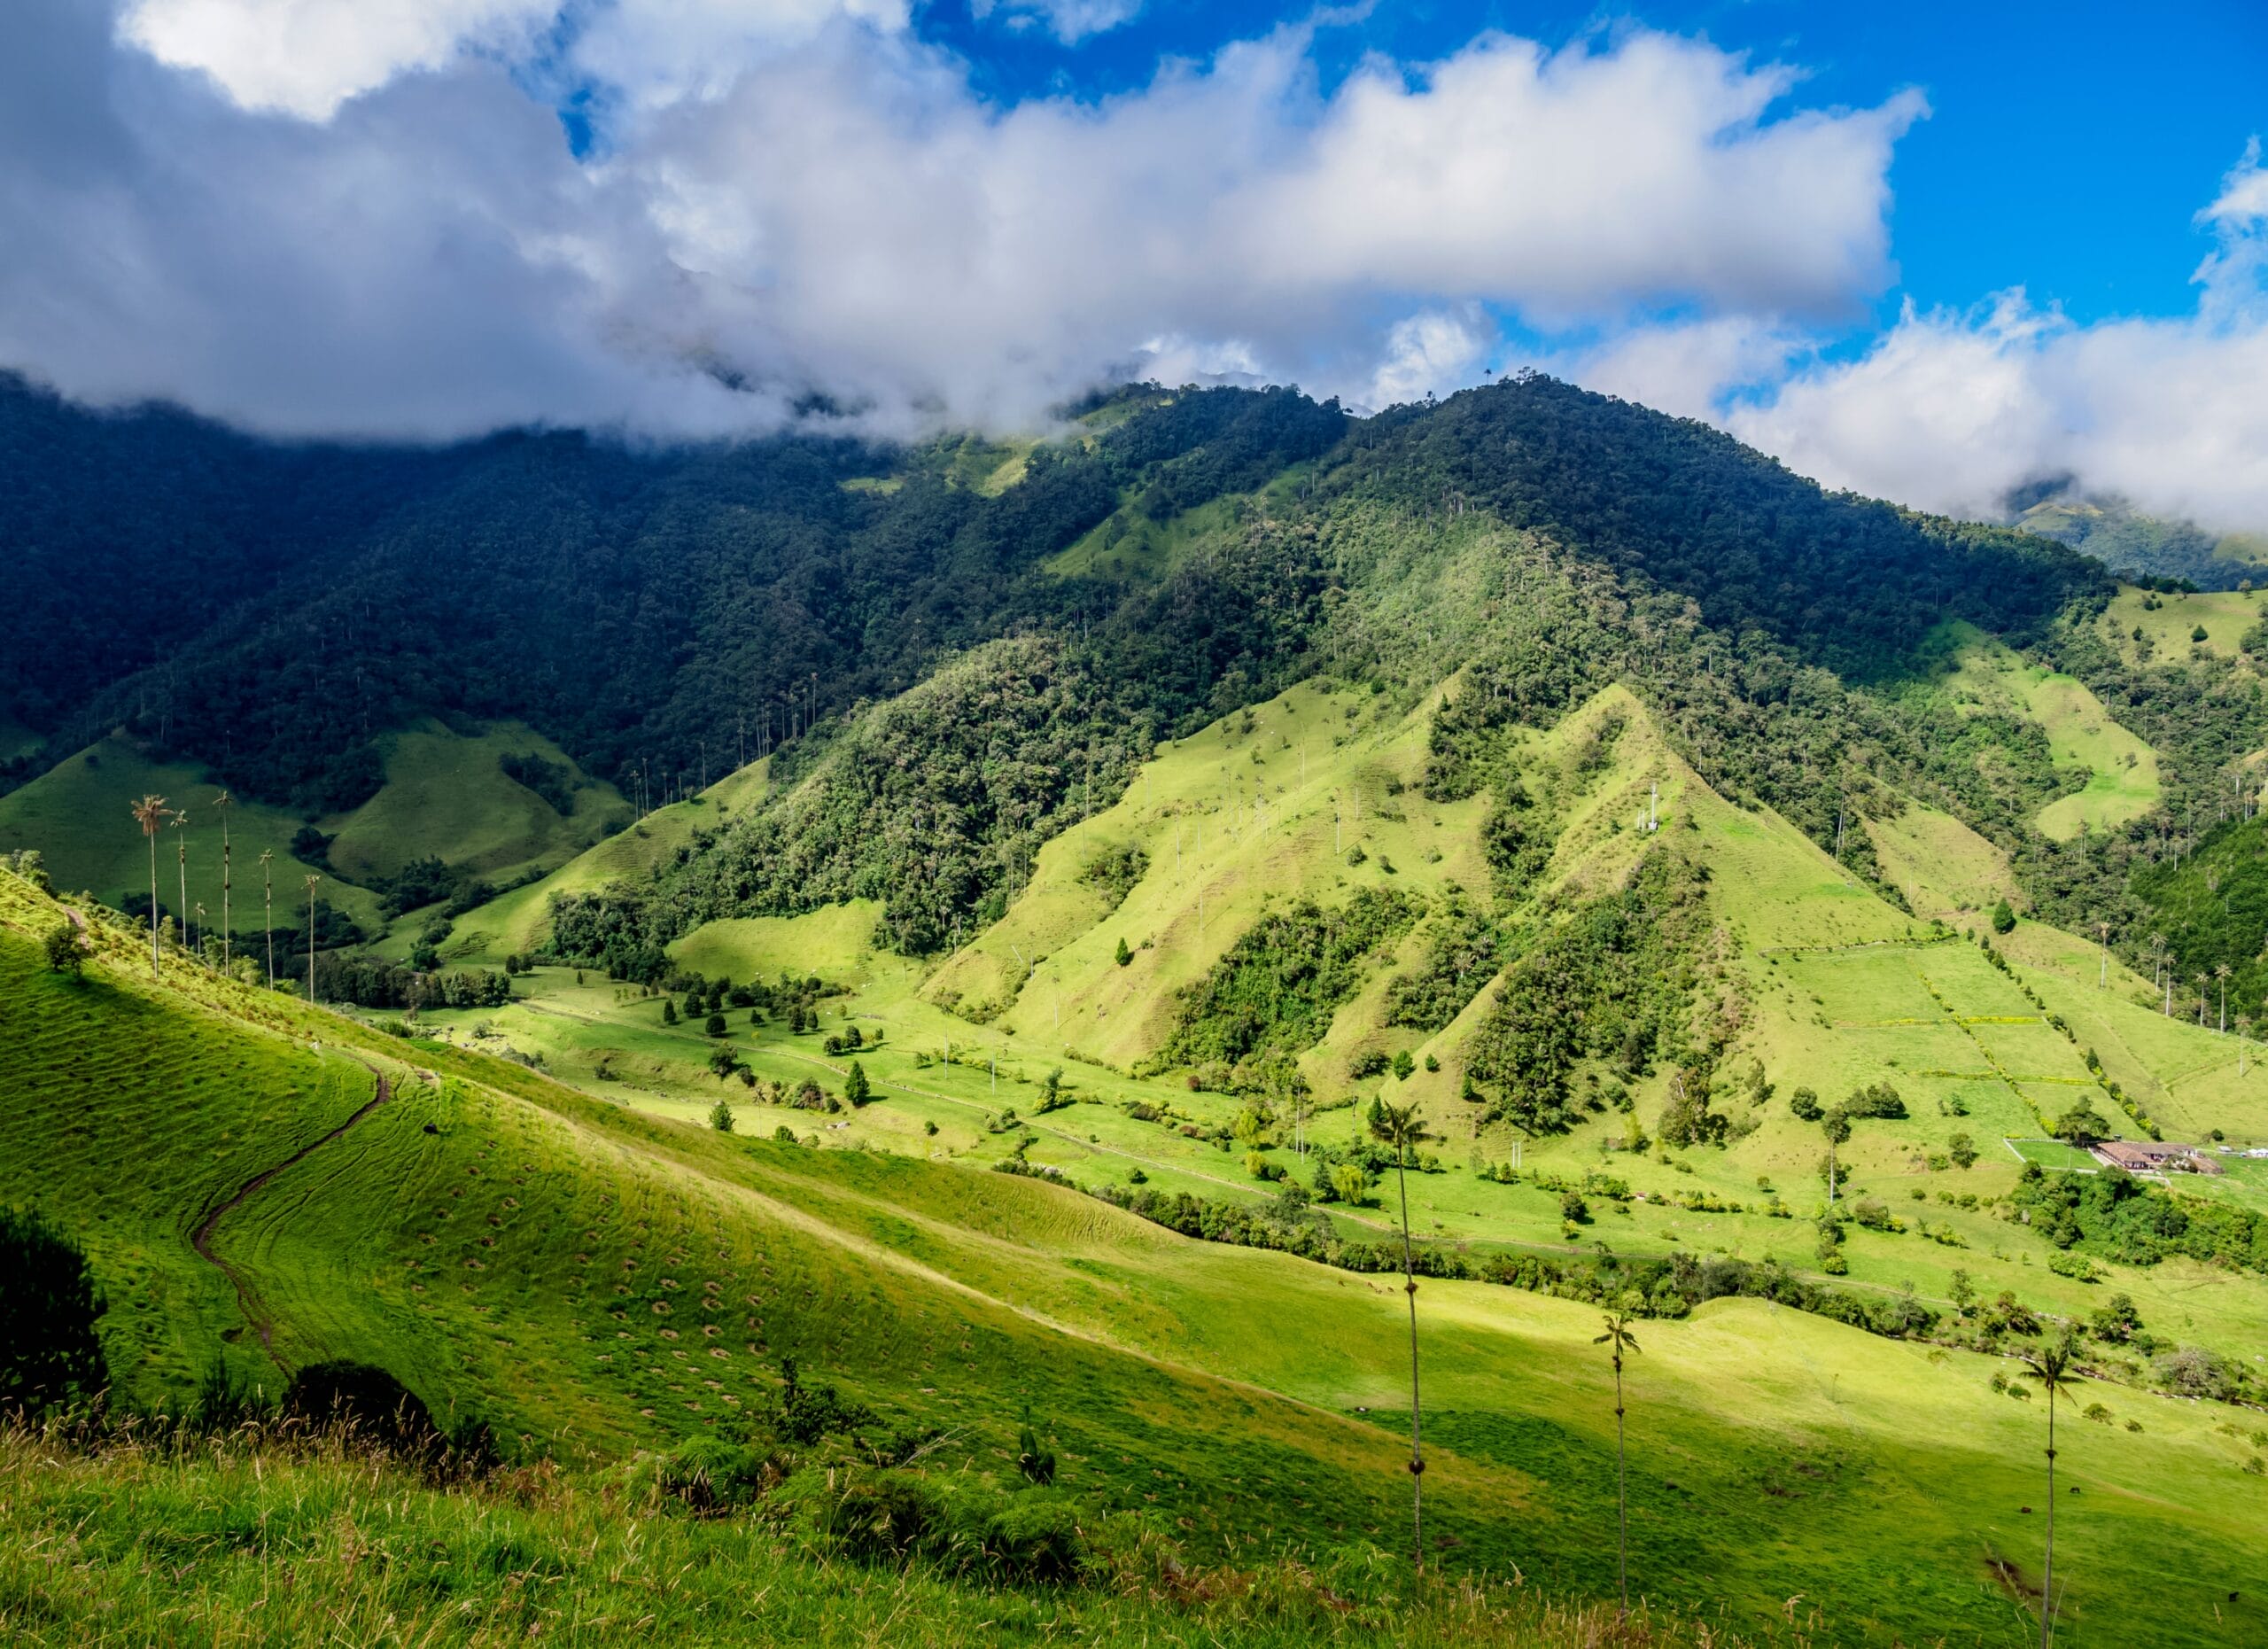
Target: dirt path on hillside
point(201, 1239)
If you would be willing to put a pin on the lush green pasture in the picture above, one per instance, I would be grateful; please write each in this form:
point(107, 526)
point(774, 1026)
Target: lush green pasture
point(256, 1544)
point(446, 797)
point(2122, 770)
point(2171, 622)
point(77, 815)
point(517, 921)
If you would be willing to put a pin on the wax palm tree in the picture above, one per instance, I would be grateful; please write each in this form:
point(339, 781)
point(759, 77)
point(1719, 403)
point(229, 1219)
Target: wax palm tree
point(205, 955)
point(1401, 1127)
point(2204, 999)
point(150, 813)
point(267, 916)
point(311, 879)
point(180, 854)
point(2054, 1366)
point(220, 804)
point(2221, 972)
point(1620, 1342)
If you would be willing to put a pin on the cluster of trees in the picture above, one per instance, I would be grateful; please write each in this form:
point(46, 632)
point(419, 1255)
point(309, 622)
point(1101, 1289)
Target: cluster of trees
point(637, 606)
point(2119, 1217)
point(1611, 980)
point(368, 981)
point(1463, 952)
point(1275, 990)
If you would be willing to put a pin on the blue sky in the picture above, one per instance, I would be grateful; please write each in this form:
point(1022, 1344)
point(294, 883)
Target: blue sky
point(1933, 252)
point(2068, 150)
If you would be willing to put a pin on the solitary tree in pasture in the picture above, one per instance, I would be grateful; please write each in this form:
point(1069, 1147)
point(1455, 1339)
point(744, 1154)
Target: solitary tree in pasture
point(1401, 1127)
point(150, 813)
point(1836, 1125)
point(267, 917)
point(1619, 1342)
point(2053, 1366)
point(220, 804)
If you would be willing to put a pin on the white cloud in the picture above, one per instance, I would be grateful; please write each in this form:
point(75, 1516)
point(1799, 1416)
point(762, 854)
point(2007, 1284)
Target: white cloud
point(814, 199)
point(1431, 353)
point(1687, 367)
point(1068, 20)
point(307, 57)
point(1951, 411)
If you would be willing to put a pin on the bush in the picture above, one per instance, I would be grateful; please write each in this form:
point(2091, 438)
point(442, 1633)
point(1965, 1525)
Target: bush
point(715, 1025)
point(856, 1088)
point(961, 1526)
point(720, 1117)
point(366, 1398)
point(712, 1475)
point(2004, 918)
point(2195, 1372)
point(49, 1351)
point(64, 951)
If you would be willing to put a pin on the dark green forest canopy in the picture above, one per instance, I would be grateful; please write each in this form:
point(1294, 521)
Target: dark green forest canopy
point(1847, 582)
point(636, 606)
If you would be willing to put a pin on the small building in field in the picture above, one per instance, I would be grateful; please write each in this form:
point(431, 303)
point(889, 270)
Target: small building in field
point(2154, 1156)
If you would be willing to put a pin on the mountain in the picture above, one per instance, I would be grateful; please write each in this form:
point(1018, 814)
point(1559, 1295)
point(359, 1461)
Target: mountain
point(1750, 890)
point(2147, 547)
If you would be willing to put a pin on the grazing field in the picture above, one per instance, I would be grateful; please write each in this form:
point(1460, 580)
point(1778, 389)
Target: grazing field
point(2121, 770)
point(447, 797)
point(558, 1266)
point(76, 814)
point(2169, 624)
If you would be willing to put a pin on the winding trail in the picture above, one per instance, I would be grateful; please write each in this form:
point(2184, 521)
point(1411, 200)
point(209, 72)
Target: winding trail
point(201, 1239)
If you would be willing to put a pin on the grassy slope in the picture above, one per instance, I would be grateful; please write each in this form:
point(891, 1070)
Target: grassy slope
point(519, 921)
point(1152, 1359)
point(2123, 782)
point(446, 795)
point(907, 1274)
point(76, 814)
point(1944, 868)
point(2168, 627)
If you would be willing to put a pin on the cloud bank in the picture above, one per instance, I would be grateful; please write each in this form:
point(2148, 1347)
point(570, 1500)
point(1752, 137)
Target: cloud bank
point(367, 222)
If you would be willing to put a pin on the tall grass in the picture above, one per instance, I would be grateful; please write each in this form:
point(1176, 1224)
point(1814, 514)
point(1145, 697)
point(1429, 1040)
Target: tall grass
point(262, 1535)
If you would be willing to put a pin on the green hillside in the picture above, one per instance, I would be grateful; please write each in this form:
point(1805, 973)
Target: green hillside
point(1748, 890)
point(472, 1262)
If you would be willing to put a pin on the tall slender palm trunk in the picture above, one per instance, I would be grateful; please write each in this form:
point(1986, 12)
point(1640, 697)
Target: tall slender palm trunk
point(1417, 1445)
point(153, 835)
point(1621, 1495)
point(181, 847)
point(268, 921)
point(224, 892)
point(2048, 1573)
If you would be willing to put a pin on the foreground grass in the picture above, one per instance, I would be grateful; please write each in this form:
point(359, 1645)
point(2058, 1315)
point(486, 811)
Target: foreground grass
point(242, 1541)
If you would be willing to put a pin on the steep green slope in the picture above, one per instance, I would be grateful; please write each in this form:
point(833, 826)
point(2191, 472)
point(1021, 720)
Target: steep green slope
point(555, 1265)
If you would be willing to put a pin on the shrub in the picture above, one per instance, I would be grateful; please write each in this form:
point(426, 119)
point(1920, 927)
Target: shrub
point(366, 1398)
point(712, 1475)
point(64, 951)
point(49, 1350)
point(856, 1088)
point(2004, 918)
point(1806, 1105)
point(720, 1117)
point(1123, 955)
point(2195, 1372)
point(715, 1025)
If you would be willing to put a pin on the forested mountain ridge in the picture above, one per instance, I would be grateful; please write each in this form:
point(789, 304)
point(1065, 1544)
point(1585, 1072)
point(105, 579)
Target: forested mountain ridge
point(634, 605)
point(665, 616)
